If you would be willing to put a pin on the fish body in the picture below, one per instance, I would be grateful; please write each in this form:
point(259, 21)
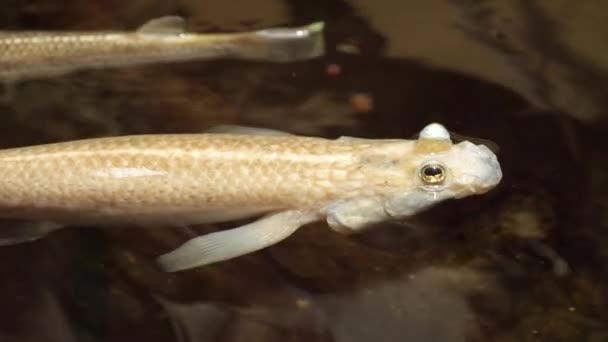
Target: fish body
point(188, 179)
point(136, 176)
point(33, 54)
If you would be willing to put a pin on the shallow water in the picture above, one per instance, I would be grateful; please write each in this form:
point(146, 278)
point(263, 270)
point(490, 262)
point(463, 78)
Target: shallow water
point(526, 262)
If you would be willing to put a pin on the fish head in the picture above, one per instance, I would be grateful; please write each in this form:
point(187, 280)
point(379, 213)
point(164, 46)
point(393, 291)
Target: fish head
point(444, 170)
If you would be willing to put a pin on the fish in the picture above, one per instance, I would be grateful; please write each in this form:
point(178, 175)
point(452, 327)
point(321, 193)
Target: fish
point(39, 54)
point(280, 180)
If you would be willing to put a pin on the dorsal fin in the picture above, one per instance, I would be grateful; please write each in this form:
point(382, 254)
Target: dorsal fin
point(163, 25)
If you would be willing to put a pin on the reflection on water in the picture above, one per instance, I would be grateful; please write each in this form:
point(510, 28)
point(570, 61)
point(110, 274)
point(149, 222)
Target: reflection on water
point(524, 263)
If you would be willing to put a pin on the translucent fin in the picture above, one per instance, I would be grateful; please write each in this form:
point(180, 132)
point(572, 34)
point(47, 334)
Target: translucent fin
point(13, 232)
point(163, 25)
point(245, 130)
point(284, 44)
point(290, 33)
point(232, 243)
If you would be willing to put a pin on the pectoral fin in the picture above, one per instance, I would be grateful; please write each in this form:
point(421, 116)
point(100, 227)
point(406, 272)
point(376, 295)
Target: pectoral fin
point(228, 244)
point(163, 25)
point(245, 130)
point(13, 232)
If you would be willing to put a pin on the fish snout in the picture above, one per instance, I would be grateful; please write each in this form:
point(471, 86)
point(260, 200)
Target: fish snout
point(483, 172)
point(491, 177)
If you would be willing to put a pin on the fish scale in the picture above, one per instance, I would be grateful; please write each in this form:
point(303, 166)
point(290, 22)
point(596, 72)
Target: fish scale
point(187, 169)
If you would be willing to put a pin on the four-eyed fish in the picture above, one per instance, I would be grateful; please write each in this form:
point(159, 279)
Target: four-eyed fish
point(33, 54)
point(234, 173)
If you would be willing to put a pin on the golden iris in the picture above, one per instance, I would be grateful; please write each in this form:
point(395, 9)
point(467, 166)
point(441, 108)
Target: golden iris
point(433, 173)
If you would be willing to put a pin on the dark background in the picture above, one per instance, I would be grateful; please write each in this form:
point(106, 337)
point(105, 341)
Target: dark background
point(526, 262)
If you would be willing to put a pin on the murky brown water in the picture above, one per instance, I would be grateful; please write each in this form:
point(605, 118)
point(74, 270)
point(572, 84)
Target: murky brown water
point(528, 262)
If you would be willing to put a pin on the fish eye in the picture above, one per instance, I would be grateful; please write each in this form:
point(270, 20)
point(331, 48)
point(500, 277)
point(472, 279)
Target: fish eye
point(432, 173)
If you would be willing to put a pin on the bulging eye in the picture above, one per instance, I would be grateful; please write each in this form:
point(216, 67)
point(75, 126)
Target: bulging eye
point(432, 173)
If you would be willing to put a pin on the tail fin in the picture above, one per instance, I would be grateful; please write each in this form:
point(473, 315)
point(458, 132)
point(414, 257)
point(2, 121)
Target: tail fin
point(286, 44)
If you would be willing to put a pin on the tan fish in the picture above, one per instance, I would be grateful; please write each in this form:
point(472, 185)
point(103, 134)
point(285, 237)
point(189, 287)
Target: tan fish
point(235, 173)
point(34, 54)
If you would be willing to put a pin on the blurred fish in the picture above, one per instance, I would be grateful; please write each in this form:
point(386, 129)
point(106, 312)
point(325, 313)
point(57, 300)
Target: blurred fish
point(202, 321)
point(235, 173)
point(34, 54)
